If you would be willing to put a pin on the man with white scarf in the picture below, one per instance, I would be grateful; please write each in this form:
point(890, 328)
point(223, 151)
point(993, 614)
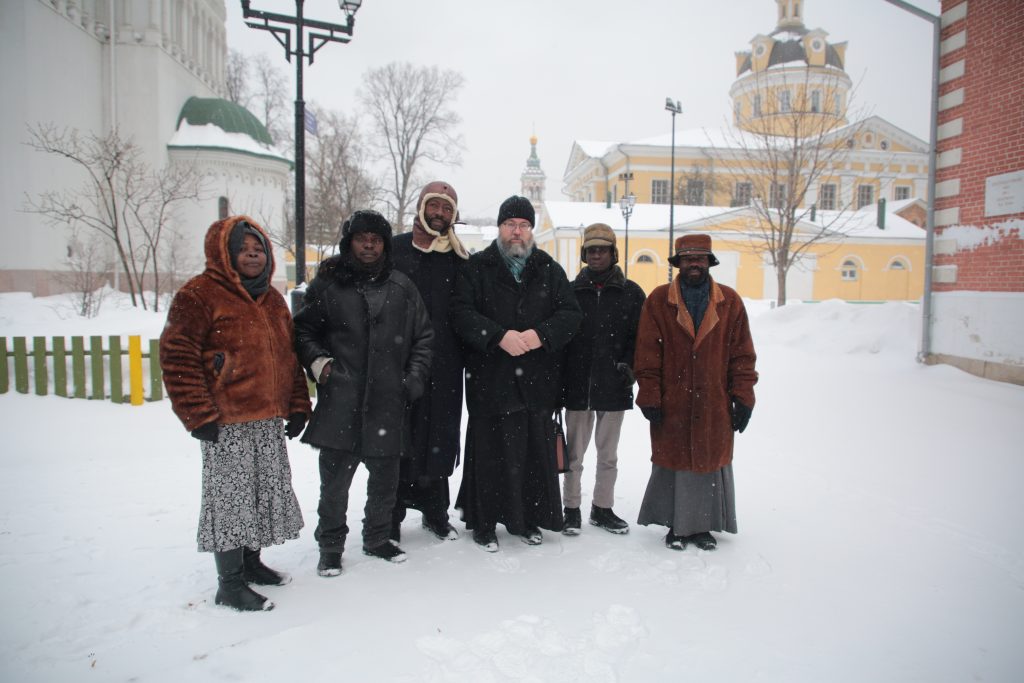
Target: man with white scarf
point(431, 255)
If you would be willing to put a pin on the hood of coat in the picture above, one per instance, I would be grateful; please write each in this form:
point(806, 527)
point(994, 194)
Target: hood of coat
point(218, 253)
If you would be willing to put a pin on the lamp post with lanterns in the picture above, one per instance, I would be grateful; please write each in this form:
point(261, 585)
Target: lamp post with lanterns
point(675, 108)
point(626, 203)
point(293, 33)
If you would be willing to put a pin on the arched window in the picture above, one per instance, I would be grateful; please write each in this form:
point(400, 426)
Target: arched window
point(222, 208)
point(898, 264)
point(849, 270)
point(644, 258)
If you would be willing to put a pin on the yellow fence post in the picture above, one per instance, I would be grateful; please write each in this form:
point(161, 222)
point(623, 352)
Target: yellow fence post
point(135, 370)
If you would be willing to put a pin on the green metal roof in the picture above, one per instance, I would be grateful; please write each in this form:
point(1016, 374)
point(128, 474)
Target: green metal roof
point(228, 116)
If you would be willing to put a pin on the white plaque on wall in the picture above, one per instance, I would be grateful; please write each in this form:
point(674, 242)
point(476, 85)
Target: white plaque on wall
point(1004, 194)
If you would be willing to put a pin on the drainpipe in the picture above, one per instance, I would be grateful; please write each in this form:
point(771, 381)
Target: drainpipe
point(929, 239)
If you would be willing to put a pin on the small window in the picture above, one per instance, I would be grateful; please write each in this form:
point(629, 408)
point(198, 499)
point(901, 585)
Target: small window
point(737, 111)
point(644, 258)
point(849, 271)
point(659, 192)
point(757, 105)
point(784, 103)
point(695, 192)
point(897, 265)
point(742, 194)
point(223, 208)
point(884, 144)
point(827, 196)
point(901, 192)
point(837, 102)
point(777, 198)
point(865, 195)
point(815, 101)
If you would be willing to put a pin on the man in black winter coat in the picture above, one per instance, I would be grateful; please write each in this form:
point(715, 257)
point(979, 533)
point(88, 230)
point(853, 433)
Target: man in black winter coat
point(431, 255)
point(599, 376)
point(364, 335)
point(515, 311)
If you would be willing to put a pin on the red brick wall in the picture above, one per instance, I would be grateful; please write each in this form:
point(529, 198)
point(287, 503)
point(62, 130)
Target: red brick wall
point(992, 141)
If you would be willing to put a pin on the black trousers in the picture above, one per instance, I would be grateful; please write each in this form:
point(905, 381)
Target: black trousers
point(429, 495)
point(336, 471)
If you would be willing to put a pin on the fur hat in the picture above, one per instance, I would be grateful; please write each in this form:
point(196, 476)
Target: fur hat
point(693, 244)
point(599, 235)
point(516, 207)
point(365, 220)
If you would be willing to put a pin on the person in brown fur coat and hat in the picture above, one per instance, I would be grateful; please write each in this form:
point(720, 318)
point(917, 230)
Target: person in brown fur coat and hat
point(695, 367)
point(234, 382)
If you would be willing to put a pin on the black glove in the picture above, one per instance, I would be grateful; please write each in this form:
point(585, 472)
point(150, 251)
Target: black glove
point(740, 416)
point(653, 415)
point(413, 388)
point(207, 432)
point(627, 373)
point(296, 423)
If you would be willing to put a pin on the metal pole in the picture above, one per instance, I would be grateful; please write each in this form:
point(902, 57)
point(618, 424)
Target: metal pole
point(300, 153)
point(626, 215)
point(672, 198)
point(933, 142)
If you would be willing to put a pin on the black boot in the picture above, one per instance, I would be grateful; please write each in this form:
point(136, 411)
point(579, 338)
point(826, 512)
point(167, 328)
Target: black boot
point(608, 520)
point(572, 522)
point(232, 591)
point(258, 573)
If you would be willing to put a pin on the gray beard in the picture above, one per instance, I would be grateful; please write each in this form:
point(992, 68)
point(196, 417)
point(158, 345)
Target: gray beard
point(516, 250)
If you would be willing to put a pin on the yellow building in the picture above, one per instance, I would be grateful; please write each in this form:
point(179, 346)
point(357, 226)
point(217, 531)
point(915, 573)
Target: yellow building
point(790, 110)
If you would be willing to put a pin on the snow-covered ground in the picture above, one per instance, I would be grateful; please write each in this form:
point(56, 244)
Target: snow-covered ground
point(881, 536)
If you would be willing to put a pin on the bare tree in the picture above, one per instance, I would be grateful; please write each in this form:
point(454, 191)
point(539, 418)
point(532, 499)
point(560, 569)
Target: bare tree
point(337, 183)
point(236, 78)
point(88, 264)
point(774, 163)
point(122, 199)
point(410, 110)
point(269, 88)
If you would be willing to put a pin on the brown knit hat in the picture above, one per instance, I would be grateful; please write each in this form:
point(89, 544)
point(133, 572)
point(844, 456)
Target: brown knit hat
point(693, 244)
point(599, 235)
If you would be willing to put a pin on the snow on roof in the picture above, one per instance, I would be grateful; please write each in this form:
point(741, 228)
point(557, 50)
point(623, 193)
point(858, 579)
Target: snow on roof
point(595, 148)
point(864, 223)
point(212, 136)
point(644, 217)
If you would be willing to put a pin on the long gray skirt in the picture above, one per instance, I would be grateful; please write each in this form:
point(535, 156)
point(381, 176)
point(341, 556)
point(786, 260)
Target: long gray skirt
point(688, 502)
point(247, 489)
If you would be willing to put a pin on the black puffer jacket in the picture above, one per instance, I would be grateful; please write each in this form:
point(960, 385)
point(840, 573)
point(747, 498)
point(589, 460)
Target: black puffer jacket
point(488, 302)
point(606, 337)
point(379, 335)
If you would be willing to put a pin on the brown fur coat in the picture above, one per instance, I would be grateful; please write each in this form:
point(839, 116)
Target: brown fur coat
point(225, 357)
point(692, 377)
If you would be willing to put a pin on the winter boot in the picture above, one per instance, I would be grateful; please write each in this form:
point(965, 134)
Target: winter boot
point(573, 519)
point(254, 571)
point(231, 590)
point(441, 528)
point(704, 541)
point(486, 539)
point(673, 542)
point(608, 520)
point(388, 550)
point(532, 536)
point(329, 564)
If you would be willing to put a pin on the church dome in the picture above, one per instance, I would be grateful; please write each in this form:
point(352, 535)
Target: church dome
point(228, 116)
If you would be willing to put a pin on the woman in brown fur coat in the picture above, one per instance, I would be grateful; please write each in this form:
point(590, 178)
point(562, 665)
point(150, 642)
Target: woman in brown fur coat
point(231, 374)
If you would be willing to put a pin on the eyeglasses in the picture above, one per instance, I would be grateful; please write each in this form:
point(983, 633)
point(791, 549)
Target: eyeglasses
point(521, 226)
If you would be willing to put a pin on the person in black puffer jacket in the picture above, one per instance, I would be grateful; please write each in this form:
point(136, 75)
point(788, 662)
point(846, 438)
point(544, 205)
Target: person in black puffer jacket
point(365, 337)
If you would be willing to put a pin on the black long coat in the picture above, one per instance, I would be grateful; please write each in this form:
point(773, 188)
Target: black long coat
point(489, 302)
point(607, 336)
point(436, 418)
point(379, 335)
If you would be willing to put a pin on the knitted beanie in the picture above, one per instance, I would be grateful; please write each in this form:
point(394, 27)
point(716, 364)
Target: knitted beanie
point(516, 207)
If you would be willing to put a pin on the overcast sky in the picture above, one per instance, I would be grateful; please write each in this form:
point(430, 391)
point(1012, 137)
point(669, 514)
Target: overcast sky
point(592, 69)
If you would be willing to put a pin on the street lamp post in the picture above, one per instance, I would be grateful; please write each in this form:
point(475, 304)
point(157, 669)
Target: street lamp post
point(675, 108)
point(318, 33)
point(626, 204)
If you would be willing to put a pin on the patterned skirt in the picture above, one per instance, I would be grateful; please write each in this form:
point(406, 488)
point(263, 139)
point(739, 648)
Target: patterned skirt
point(247, 489)
point(689, 502)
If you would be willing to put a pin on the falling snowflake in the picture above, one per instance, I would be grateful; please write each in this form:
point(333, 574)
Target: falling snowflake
point(519, 372)
point(382, 432)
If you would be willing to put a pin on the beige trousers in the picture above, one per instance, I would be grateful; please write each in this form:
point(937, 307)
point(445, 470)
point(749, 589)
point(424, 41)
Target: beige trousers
point(579, 424)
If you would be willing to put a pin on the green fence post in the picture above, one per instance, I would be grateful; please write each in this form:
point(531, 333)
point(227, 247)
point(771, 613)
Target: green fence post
point(116, 390)
point(156, 385)
point(20, 365)
point(78, 366)
point(5, 379)
point(39, 366)
point(96, 361)
point(60, 367)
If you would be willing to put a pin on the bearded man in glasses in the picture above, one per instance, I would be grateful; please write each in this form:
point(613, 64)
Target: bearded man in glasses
point(515, 312)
